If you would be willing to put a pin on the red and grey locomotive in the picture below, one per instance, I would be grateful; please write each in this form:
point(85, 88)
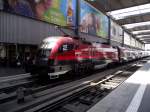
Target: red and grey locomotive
point(59, 55)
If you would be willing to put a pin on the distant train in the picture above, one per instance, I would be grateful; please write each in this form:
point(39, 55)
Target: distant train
point(59, 55)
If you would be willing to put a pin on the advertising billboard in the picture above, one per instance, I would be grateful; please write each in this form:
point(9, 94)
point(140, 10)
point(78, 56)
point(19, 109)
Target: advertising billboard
point(60, 12)
point(132, 42)
point(136, 43)
point(140, 45)
point(116, 32)
point(93, 21)
point(126, 38)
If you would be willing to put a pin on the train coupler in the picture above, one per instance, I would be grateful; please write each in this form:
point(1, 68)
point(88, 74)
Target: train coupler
point(53, 76)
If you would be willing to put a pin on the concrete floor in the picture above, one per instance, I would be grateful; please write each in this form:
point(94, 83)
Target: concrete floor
point(131, 96)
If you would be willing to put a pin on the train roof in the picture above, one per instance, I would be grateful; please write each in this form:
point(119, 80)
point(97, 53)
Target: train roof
point(52, 38)
point(57, 38)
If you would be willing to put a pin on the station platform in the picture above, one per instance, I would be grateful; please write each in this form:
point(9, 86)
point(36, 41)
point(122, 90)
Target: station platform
point(131, 96)
point(9, 71)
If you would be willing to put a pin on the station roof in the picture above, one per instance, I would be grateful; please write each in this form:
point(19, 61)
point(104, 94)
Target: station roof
point(133, 15)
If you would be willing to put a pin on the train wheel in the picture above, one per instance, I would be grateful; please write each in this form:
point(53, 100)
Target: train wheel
point(109, 65)
point(77, 70)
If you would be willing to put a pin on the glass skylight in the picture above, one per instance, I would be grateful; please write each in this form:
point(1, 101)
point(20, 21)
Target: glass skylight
point(129, 26)
point(126, 12)
point(141, 31)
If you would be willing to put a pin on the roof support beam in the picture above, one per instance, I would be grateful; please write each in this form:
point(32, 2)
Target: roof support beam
point(111, 5)
point(117, 4)
point(143, 27)
point(144, 33)
point(144, 37)
point(135, 19)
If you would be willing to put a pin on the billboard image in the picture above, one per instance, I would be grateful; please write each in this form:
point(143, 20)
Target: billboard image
point(116, 32)
point(92, 21)
point(132, 42)
point(136, 43)
point(127, 38)
point(60, 12)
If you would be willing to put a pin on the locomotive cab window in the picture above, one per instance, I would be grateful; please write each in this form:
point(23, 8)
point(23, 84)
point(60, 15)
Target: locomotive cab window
point(70, 47)
point(45, 49)
point(66, 47)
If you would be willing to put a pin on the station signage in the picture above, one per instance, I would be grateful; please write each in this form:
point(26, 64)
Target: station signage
point(60, 12)
point(93, 21)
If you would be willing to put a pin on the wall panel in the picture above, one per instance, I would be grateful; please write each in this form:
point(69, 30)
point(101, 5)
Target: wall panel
point(22, 30)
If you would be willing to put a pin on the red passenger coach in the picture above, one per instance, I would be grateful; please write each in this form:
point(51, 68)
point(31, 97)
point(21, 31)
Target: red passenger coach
point(59, 55)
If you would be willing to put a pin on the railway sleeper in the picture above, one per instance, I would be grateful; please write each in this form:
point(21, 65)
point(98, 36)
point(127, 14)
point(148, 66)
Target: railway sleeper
point(126, 73)
point(86, 100)
point(108, 86)
point(112, 83)
point(115, 81)
point(74, 108)
point(119, 78)
point(97, 92)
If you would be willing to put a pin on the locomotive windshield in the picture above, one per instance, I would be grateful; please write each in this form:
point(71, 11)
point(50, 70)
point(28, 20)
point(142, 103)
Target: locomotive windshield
point(47, 45)
point(44, 53)
point(42, 56)
point(45, 49)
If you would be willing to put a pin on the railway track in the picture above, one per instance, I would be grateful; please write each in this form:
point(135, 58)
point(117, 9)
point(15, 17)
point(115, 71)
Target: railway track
point(30, 85)
point(81, 99)
point(48, 95)
point(9, 83)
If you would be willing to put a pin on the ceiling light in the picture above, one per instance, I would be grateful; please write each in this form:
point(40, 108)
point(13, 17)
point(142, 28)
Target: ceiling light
point(128, 26)
point(126, 12)
point(141, 31)
point(142, 36)
point(143, 39)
